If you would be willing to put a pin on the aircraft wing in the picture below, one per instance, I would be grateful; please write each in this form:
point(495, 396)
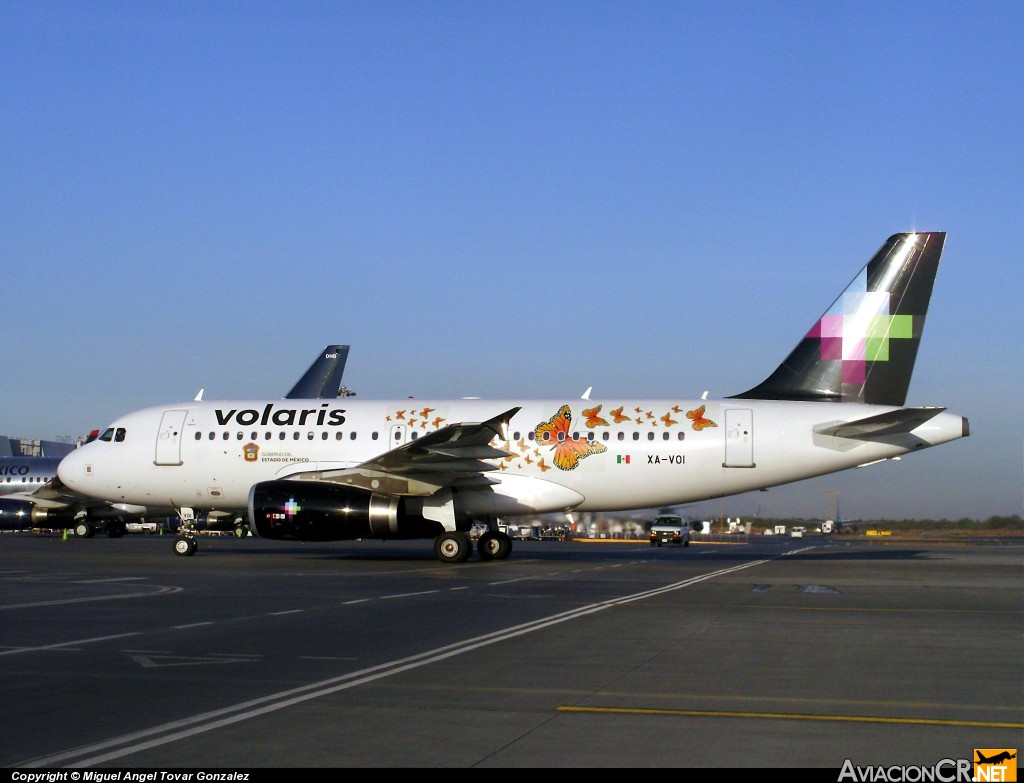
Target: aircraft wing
point(52, 495)
point(452, 455)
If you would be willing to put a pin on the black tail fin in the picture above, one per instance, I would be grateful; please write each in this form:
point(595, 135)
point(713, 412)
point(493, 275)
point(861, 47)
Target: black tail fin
point(323, 378)
point(863, 348)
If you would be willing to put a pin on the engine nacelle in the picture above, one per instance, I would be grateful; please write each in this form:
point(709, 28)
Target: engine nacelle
point(320, 511)
point(21, 514)
point(697, 526)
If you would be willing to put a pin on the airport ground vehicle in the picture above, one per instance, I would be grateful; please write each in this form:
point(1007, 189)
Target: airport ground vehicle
point(671, 529)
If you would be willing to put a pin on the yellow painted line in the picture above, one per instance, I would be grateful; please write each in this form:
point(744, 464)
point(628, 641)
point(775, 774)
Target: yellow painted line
point(797, 716)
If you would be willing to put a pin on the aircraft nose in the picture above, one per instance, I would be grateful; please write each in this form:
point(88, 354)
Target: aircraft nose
point(71, 469)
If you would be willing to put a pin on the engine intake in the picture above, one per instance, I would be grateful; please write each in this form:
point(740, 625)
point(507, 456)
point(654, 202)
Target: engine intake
point(319, 511)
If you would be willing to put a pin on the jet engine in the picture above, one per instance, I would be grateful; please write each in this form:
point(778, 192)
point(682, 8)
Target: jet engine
point(21, 514)
point(320, 511)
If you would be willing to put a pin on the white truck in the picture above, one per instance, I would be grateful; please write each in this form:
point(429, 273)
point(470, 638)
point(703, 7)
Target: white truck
point(673, 529)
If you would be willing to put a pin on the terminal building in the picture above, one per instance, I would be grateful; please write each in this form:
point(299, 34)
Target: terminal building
point(25, 447)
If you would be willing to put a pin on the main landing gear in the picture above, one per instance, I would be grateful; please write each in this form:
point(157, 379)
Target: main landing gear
point(454, 546)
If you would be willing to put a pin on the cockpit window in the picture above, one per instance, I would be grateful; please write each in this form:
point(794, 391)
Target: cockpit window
point(119, 434)
point(108, 434)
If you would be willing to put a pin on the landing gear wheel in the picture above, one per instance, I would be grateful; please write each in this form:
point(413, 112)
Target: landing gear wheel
point(185, 546)
point(494, 545)
point(453, 547)
point(84, 530)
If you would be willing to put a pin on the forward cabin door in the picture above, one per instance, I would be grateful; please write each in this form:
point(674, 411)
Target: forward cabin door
point(739, 438)
point(168, 438)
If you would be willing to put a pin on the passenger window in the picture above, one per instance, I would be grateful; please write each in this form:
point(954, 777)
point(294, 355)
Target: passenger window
point(664, 436)
point(352, 436)
point(636, 436)
point(280, 436)
point(295, 436)
point(605, 435)
point(213, 435)
point(227, 436)
point(622, 435)
point(682, 436)
point(199, 436)
point(241, 435)
point(373, 436)
point(650, 436)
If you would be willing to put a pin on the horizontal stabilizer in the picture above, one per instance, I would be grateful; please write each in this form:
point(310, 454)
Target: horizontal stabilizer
point(898, 422)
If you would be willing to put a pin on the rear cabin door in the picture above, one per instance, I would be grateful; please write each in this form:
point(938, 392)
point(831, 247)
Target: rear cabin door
point(168, 439)
point(739, 438)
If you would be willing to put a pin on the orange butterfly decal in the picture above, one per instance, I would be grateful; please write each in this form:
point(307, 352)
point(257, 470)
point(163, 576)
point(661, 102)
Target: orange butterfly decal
point(437, 422)
point(697, 417)
point(400, 415)
point(668, 421)
point(542, 466)
point(426, 412)
point(617, 413)
point(593, 420)
point(568, 452)
point(676, 409)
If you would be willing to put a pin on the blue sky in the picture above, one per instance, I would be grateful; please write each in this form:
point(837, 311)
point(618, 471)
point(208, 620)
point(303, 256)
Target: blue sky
point(509, 200)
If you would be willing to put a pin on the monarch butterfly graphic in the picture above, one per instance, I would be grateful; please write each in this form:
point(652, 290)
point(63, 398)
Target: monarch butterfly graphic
point(568, 451)
point(697, 417)
point(542, 466)
point(618, 416)
point(593, 420)
point(426, 412)
point(437, 422)
point(668, 421)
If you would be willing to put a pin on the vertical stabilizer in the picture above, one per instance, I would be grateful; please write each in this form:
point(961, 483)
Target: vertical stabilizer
point(863, 348)
point(323, 378)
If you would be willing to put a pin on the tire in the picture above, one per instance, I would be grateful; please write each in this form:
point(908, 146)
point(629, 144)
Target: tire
point(185, 547)
point(84, 530)
point(494, 545)
point(453, 547)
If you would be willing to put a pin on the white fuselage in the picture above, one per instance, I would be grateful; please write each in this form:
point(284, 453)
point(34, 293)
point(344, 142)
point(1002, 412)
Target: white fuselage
point(617, 455)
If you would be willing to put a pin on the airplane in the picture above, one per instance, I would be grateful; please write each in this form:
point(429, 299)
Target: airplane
point(999, 758)
point(29, 496)
point(414, 469)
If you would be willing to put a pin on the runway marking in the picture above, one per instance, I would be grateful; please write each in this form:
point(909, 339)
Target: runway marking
point(797, 716)
point(409, 595)
point(286, 611)
point(112, 579)
point(158, 591)
point(63, 645)
point(184, 728)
